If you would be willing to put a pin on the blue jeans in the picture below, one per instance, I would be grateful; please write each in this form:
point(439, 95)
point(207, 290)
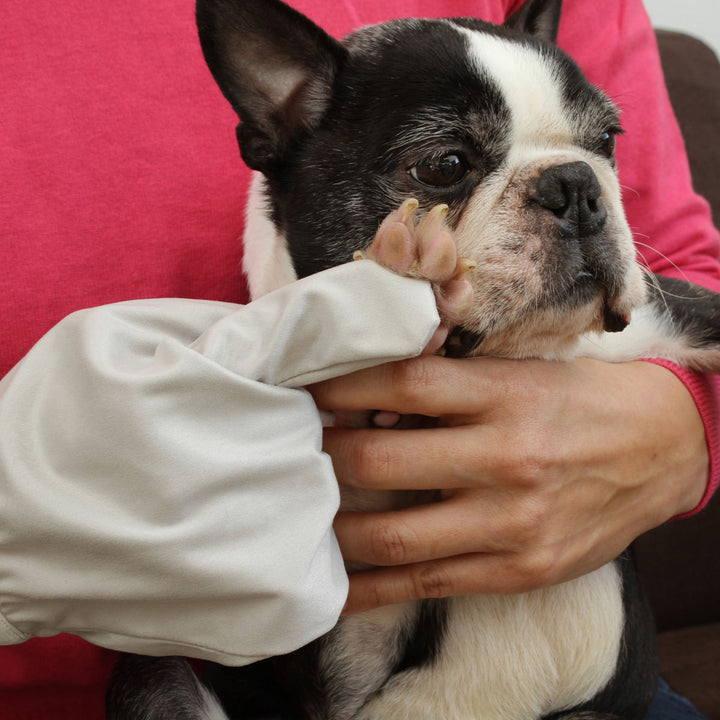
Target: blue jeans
point(668, 705)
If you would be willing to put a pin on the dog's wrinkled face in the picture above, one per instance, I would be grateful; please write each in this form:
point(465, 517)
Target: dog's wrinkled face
point(500, 126)
point(520, 146)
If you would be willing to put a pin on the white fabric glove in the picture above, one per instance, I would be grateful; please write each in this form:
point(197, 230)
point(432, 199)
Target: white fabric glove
point(162, 484)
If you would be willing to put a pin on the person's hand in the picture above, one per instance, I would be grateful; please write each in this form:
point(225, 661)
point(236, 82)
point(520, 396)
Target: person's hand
point(547, 471)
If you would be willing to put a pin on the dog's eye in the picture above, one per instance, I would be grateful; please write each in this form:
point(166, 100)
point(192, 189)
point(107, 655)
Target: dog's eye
point(607, 143)
point(440, 171)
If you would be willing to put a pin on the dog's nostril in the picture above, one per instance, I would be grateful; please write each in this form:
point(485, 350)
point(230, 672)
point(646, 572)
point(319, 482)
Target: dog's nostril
point(571, 191)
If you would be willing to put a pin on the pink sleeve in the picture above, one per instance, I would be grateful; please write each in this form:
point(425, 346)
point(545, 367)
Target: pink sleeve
point(672, 225)
point(705, 389)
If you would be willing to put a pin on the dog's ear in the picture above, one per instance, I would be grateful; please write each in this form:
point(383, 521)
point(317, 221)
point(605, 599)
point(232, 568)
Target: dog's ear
point(274, 65)
point(537, 17)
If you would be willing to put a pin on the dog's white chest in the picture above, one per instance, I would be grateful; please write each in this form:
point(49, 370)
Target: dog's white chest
point(515, 657)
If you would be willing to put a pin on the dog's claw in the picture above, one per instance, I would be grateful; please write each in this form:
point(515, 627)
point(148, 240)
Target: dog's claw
point(407, 209)
point(465, 265)
point(424, 248)
point(439, 211)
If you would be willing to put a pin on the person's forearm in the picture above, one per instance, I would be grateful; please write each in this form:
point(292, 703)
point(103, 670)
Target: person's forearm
point(159, 495)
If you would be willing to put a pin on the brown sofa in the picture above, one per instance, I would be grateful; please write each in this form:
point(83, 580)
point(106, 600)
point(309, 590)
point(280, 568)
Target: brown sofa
point(680, 562)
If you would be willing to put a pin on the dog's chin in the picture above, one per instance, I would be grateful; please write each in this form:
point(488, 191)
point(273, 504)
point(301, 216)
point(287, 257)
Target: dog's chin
point(587, 290)
point(549, 329)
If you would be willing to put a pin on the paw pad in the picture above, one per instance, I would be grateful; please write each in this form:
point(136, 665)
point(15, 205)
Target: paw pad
point(421, 245)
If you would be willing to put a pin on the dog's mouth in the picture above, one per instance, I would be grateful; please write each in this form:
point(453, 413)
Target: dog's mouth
point(587, 284)
point(615, 321)
point(587, 288)
point(462, 342)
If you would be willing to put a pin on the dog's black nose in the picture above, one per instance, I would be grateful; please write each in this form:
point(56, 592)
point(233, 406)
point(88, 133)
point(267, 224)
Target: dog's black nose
point(572, 193)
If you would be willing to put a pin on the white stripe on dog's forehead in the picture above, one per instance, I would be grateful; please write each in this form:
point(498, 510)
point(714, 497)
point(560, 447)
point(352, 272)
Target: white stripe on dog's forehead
point(528, 83)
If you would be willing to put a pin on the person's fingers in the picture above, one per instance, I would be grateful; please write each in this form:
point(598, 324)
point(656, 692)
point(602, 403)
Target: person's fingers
point(425, 532)
point(499, 572)
point(465, 522)
point(427, 385)
point(387, 459)
point(470, 574)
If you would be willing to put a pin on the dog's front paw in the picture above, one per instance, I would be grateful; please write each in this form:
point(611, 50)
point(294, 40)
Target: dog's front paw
point(422, 246)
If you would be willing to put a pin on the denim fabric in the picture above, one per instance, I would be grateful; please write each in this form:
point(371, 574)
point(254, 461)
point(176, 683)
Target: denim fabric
point(668, 705)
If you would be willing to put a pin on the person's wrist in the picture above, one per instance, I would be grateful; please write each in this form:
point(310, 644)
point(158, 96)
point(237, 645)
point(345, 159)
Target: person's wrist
point(688, 472)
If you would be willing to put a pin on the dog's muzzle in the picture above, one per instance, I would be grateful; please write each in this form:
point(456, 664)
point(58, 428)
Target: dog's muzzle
point(572, 193)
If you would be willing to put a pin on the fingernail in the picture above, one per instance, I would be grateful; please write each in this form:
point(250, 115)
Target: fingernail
point(385, 419)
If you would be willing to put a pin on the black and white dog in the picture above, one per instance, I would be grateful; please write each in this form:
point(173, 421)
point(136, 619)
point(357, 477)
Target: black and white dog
point(502, 127)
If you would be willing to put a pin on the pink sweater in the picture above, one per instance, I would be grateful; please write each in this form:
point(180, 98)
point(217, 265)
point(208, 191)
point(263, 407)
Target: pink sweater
point(121, 179)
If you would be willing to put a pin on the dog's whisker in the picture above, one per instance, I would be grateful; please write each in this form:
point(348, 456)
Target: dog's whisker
point(639, 244)
point(630, 189)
